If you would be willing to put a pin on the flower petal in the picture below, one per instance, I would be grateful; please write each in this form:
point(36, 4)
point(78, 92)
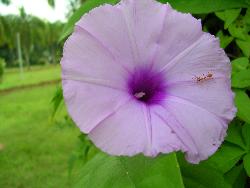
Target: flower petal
point(201, 130)
point(110, 44)
point(106, 23)
point(124, 132)
point(86, 60)
point(89, 104)
point(180, 31)
point(214, 95)
point(145, 22)
point(164, 138)
point(130, 30)
point(201, 58)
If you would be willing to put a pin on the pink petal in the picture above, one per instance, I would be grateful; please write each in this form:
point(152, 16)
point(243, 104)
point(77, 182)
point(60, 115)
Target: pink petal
point(145, 22)
point(180, 31)
point(164, 138)
point(89, 104)
point(86, 60)
point(123, 132)
point(106, 23)
point(202, 131)
point(213, 95)
point(130, 30)
point(199, 59)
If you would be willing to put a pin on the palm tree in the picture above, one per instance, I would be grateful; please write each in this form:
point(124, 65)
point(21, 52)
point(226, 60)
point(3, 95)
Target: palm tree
point(38, 39)
point(7, 2)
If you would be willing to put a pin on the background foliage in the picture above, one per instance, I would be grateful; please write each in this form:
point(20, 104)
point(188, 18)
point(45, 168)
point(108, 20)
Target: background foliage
point(2, 67)
point(38, 46)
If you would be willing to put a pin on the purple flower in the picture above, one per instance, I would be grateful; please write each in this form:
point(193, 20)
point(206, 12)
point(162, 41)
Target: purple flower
point(140, 77)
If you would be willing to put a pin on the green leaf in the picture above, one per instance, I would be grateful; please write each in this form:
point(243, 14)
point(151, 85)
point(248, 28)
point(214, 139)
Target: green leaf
point(234, 135)
point(228, 16)
point(246, 162)
point(247, 16)
point(71, 163)
point(242, 102)
point(51, 3)
point(224, 39)
point(244, 45)
point(241, 79)
point(226, 157)
point(57, 100)
point(236, 177)
point(240, 64)
point(6, 2)
point(86, 7)
point(238, 31)
point(246, 136)
point(201, 176)
point(105, 171)
point(206, 6)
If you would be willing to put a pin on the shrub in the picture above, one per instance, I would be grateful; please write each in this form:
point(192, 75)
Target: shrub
point(2, 66)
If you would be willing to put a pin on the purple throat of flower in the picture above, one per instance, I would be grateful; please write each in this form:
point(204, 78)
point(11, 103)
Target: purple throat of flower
point(147, 86)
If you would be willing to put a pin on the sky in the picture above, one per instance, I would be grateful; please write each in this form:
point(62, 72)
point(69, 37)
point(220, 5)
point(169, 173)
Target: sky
point(38, 8)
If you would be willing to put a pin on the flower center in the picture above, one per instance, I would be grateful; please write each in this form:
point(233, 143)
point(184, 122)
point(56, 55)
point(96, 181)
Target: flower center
point(146, 86)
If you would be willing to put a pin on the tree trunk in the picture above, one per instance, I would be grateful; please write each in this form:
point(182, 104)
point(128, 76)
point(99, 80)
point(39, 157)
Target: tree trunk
point(53, 56)
point(27, 58)
point(19, 54)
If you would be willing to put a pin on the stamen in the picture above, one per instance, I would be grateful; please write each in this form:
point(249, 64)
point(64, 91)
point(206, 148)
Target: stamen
point(139, 94)
point(146, 86)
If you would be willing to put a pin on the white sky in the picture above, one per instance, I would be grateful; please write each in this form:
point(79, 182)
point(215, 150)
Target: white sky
point(38, 8)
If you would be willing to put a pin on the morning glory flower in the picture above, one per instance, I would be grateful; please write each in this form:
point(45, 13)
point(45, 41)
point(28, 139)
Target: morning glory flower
point(140, 77)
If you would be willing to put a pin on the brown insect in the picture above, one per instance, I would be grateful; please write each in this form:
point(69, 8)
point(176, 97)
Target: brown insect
point(197, 78)
point(203, 77)
point(209, 75)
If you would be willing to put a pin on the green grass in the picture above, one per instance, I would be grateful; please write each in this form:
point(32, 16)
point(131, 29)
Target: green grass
point(12, 78)
point(36, 151)
point(33, 67)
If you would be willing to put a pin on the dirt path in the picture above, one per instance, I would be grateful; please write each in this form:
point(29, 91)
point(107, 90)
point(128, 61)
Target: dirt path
point(18, 88)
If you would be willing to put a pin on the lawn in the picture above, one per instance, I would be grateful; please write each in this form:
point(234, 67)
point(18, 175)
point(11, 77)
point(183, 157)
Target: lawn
point(34, 150)
point(13, 78)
